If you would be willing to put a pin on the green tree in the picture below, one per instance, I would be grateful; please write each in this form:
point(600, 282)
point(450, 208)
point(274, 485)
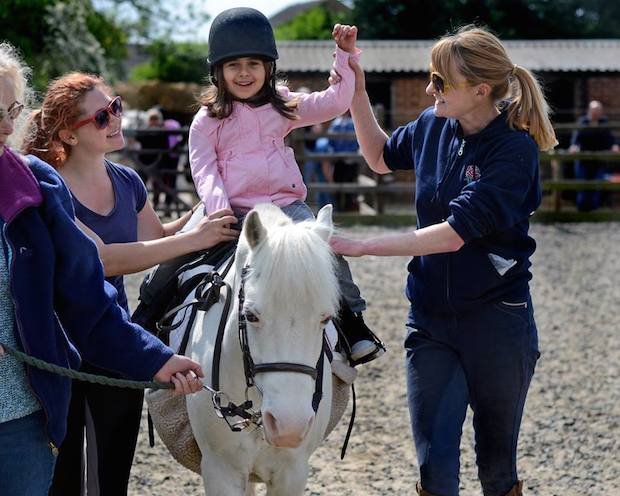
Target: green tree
point(23, 23)
point(68, 42)
point(314, 24)
point(173, 62)
point(534, 19)
point(88, 35)
point(148, 20)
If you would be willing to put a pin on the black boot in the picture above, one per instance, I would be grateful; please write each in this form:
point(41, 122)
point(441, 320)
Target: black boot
point(358, 342)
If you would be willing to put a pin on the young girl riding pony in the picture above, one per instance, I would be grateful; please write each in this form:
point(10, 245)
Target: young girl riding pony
point(236, 142)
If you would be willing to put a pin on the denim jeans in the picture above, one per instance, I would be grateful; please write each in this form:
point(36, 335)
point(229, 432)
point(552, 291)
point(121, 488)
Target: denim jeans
point(313, 172)
point(484, 359)
point(589, 200)
point(298, 211)
point(26, 459)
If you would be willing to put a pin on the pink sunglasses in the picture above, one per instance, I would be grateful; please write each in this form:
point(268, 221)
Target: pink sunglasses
point(101, 118)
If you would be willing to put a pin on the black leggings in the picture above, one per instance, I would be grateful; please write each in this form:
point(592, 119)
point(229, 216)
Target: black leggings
point(111, 439)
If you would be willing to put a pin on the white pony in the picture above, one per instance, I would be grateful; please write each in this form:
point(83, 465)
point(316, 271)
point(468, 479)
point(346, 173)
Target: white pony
point(289, 294)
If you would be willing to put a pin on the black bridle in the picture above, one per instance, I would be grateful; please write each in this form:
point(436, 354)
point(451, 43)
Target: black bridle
point(208, 291)
point(249, 367)
point(226, 408)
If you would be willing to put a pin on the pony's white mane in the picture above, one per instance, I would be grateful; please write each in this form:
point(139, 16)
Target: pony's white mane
point(293, 265)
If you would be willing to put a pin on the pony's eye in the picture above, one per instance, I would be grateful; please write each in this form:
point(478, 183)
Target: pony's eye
point(251, 317)
point(326, 320)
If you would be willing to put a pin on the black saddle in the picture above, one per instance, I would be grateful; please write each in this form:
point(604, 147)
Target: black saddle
point(160, 291)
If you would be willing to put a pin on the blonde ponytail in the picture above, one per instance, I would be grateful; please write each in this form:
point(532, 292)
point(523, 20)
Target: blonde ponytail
point(528, 110)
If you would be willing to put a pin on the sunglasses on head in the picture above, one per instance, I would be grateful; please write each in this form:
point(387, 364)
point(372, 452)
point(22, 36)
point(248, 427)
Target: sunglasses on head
point(440, 85)
point(101, 118)
point(12, 112)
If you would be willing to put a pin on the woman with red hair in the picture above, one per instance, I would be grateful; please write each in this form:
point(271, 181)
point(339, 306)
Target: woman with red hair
point(78, 123)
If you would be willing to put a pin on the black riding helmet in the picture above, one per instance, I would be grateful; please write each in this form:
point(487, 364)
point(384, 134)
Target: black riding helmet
point(240, 32)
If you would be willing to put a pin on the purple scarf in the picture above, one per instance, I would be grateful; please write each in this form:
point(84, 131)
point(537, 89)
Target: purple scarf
point(19, 188)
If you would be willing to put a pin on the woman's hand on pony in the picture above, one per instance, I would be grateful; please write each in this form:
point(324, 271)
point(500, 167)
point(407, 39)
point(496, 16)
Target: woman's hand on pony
point(347, 247)
point(183, 373)
point(345, 37)
point(215, 228)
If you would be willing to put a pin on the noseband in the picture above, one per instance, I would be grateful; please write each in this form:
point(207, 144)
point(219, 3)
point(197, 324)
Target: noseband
point(223, 406)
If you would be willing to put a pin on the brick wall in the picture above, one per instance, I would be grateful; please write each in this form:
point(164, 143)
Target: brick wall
point(408, 94)
point(409, 98)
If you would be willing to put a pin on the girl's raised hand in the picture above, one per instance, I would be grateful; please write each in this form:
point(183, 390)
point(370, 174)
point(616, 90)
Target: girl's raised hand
point(360, 77)
point(345, 37)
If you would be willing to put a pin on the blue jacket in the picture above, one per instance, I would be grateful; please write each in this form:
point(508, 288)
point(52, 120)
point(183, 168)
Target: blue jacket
point(485, 186)
point(593, 138)
point(61, 301)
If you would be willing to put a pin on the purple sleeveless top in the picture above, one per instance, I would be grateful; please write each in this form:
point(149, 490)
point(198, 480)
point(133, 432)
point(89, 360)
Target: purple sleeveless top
point(121, 224)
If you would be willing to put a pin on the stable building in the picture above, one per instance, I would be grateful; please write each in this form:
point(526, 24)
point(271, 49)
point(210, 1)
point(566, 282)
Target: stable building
point(573, 72)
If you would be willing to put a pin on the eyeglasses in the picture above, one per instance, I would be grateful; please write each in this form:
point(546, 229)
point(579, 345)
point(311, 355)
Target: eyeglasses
point(12, 112)
point(440, 85)
point(101, 119)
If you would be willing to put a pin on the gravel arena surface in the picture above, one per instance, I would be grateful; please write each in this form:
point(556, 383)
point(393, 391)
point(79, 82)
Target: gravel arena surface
point(570, 436)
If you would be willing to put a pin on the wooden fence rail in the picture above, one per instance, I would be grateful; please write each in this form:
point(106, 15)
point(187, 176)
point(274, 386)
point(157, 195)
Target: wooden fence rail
point(381, 190)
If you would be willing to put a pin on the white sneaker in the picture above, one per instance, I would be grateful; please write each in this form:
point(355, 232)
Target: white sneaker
point(364, 348)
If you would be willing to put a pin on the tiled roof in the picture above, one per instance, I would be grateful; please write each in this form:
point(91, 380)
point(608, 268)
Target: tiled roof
point(413, 55)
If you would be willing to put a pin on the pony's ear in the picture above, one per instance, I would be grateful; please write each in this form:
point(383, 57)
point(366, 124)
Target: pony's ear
point(324, 225)
point(254, 230)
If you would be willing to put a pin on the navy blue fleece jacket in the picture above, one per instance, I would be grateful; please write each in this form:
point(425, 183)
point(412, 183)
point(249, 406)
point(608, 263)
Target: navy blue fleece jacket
point(61, 301)
point(486, 186)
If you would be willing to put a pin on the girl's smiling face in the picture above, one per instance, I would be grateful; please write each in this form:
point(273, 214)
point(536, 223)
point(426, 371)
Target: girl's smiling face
point(244, 77)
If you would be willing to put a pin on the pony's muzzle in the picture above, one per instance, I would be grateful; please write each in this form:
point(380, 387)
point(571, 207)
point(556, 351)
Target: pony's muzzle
point(288, 433)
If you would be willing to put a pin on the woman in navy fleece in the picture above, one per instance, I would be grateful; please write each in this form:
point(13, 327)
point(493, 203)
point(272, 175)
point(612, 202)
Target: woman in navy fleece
point(55, 305)
point(472, 339)
point(79, 122)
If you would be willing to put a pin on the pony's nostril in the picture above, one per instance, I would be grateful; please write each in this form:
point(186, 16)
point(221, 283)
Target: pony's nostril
point(270, 423)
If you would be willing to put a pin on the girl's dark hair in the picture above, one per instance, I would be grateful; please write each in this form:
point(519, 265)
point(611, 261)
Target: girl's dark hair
point(219, 101)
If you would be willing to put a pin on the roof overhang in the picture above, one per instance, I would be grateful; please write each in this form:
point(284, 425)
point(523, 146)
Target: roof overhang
point(412, 56)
